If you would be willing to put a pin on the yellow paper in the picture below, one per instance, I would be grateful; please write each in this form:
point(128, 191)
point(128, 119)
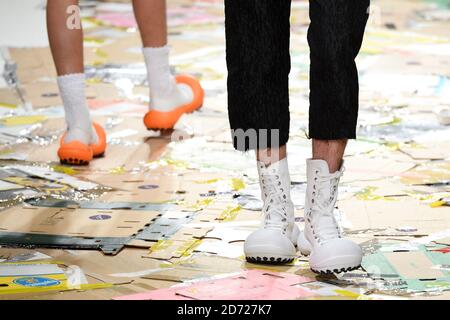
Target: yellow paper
point(22, 120)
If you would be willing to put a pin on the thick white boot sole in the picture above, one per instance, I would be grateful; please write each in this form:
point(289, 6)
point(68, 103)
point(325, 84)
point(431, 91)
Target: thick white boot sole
point(336, 264)
point(264, 253)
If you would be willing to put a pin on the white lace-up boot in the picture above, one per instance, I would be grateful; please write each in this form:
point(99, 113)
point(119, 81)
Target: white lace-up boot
point(322, 240)
point(276, 240)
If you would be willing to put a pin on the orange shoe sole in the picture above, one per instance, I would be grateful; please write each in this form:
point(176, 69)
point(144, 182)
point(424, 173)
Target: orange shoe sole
point(78, 153)
point(159, 120)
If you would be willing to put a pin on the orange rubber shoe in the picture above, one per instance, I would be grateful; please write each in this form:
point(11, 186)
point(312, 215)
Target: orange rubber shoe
point(99, 148)
point(197, 89)
point(78, 153)
point(74, 152)
point(156, 120)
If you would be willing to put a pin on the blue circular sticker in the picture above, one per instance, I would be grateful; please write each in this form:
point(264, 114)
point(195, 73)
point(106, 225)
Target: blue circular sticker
point(148, 186)
point(36, 282)
point(100, 217)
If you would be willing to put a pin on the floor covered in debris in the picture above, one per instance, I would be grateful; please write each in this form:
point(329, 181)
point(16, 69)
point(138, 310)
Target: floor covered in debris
point(164, 215)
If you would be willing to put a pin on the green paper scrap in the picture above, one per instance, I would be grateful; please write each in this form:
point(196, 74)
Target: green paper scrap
point(378, 266)
point(441, 3)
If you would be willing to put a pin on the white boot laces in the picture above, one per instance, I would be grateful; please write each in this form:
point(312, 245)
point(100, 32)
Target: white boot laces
point(275, 204)
point(321, 217)
point(275, 213)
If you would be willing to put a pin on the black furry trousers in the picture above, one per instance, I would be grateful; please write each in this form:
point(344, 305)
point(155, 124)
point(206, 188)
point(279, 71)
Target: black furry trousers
point(258, 61)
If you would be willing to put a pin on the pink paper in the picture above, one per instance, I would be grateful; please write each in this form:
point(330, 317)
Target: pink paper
point(176, 17)
point(118, 106)
point(123, 20)
point(98, 104)
point(248, 285)
point(160, 294)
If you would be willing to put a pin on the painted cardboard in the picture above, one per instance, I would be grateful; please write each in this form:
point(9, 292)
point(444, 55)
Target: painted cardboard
point(27, 277)
point(197, 266)
point(247, 285)
point(413, 271)
point(168, 249)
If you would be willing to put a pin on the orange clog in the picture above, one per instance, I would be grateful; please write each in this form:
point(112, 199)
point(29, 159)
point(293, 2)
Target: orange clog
point(78, 153)
point(156, 120)
point(75, 152)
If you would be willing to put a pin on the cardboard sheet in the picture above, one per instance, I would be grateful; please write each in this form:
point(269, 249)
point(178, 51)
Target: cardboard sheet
point(166, 207)
point(395, 213)
point(107, 230)
point(75, 222)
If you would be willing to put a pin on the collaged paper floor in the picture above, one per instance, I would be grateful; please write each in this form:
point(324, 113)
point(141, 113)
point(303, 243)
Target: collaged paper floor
point(165, 214)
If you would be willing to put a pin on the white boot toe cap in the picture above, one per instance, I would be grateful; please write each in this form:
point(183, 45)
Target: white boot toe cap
point(269, 242)
point(339, 254)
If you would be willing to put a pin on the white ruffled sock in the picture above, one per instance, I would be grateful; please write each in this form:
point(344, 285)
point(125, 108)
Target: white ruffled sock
point(78, 120)
point(165, 93)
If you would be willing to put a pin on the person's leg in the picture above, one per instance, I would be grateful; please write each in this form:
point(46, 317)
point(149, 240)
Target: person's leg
point(152, 21)
point(331, 151)
point(271, 155)
point(167, 94)
point(335, 36)
point(66, 44)
point(258, 61)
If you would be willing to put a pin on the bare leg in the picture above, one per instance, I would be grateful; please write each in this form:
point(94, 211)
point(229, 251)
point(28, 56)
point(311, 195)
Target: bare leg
point(271, 155)
point(66, 44)
point(152, 21)
point(332, 151)
point(165, 93)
